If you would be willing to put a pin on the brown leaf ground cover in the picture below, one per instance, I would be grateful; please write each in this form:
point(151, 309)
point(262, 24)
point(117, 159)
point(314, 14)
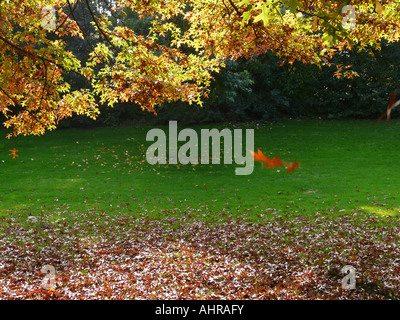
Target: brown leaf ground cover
point(99, 256)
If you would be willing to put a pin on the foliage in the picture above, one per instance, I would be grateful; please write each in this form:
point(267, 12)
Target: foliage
point(324, 93)
point(250, 90)
point(261, 90)
point(273, 92)
point(187, 42)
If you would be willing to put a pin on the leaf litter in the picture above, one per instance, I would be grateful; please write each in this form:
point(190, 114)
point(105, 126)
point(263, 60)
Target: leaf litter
point(126, 256)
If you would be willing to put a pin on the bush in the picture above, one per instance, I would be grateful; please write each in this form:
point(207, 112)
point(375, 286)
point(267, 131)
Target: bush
point(320, 93)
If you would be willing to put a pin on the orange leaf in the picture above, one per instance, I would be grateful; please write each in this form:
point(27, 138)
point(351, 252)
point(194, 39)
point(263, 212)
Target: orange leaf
point(291, 167)
point(315, 23)
point(273, 163)
point(267, 162)
point(13, 153)
point(392, 104)
point(259, 156)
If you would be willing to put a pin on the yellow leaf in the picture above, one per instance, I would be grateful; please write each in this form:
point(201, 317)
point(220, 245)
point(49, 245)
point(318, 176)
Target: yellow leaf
point(378, 7)
point(315, 23)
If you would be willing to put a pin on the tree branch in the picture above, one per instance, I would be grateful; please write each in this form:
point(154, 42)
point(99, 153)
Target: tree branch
point(79, 25)
point(8, 96)
point(99, 28)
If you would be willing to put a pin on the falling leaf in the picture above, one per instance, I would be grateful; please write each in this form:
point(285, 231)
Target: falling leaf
point(13, 153)
point(259, 156)
point(392, 104)
point(274, 162)
point(291, 167)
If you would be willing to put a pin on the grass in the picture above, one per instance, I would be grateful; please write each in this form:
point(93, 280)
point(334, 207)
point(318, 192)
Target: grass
point(99, 206)
point(345, 165)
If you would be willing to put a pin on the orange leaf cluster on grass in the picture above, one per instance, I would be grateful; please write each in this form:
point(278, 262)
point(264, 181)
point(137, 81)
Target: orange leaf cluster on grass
point(274, 162)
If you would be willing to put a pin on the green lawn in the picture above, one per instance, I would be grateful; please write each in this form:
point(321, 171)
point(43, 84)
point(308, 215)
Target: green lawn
point(345, 165)
point(104, 218)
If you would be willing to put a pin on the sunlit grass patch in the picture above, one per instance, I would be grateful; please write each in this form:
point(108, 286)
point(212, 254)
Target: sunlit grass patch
point(382, 211)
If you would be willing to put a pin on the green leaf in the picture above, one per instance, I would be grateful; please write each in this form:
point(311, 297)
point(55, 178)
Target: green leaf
point(328, 39)
point(246, 16)
point(244, 2)
point(293, 4)
point(264, 16)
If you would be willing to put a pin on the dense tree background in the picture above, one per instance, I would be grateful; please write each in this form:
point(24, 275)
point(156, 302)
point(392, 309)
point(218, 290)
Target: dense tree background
point(261, 89)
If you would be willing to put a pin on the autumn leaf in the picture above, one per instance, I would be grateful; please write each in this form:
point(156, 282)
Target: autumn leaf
point(13, 153)
point(266, 162)
point(315, 23)
point(378, 7)
point(259, 156)
point(392, 104)
point(264, 16)
point(291, 167)
point(293, 4)
point(274, 162)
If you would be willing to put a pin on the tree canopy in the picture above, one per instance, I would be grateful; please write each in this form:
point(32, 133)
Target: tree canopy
point(173, 59)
